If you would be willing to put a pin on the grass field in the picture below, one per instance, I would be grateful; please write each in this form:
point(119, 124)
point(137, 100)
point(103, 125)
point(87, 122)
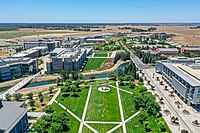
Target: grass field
point(101, 128)
point(94, 63)
point(102, 106)
point(101, 54)
point(127, 105)
point(72, 123)
point(11, 35)
point(76, 105)
point(105, 107)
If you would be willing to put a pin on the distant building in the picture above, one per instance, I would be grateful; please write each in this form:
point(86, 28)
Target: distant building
point(95, 40)
point(167, 51)
point(184, 79)
point(66, 59)
point(13, 118)
point(14, 67)
point(160, 36)
point(51, 44)
point(32, 53)
point(181, 60)
point(191, 49)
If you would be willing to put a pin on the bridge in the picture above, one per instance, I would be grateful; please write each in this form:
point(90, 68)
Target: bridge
point(20, 85)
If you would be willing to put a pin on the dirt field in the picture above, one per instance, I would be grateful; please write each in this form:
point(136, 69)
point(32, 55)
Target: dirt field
point(184, 34)
point(30, 33)
point(35, 90)
point(6, 52)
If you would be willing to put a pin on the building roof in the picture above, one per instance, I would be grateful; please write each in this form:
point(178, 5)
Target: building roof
point(10, 114)
point(192, 48)
point(4, 62)
point(58, 50)
point(168, 49)
point(184, 72)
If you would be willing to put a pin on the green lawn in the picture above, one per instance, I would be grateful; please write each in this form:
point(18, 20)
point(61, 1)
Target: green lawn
point(101, 54)
point(72, 123)
point(94, 63)
point(101, 128)
point(76, 105)
point(134, 126)
point(127, 105)
point(103, 106)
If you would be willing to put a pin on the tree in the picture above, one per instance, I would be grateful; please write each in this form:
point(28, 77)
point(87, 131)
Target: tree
point(74, 88)
point(30, 96)
point(58, 80)
point(112, 75)
point(31, 102)
point(53, 123)
point(17, 96)
point(48, 109)
point(51, 90)
point(41, 99)
point(40, 94)
point(8, 97)
point(55, 128)
point(75, 75)
point(64, 74)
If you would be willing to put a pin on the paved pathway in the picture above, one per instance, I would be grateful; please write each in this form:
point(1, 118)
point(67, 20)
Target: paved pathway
point(75, 116)
point(54, 97)
point(123, 123)
point(121, 89)
point(86, 123)
point(20, 85)
point(35, 114)
point(168, 103)
point(85, 110)
point(121, 108)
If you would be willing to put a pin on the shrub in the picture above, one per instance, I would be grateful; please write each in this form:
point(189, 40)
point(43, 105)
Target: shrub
point(65, 95)
point(75, 95)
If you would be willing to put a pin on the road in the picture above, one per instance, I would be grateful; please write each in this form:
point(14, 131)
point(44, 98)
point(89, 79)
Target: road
point(142, 66)
point(135, 59)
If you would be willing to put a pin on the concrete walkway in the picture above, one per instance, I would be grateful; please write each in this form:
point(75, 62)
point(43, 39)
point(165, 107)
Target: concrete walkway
point(169, 103)
point(85, 110)
point(54, 97)
point(123, 123)
point(121, 89)
point(121, 108)
point(35, 114)
point(75, 116)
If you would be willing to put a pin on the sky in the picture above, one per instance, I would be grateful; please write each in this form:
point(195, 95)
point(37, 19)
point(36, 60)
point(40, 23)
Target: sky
point(99, 11)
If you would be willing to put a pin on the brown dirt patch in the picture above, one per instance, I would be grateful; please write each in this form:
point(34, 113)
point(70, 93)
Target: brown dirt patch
point(109, 63)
